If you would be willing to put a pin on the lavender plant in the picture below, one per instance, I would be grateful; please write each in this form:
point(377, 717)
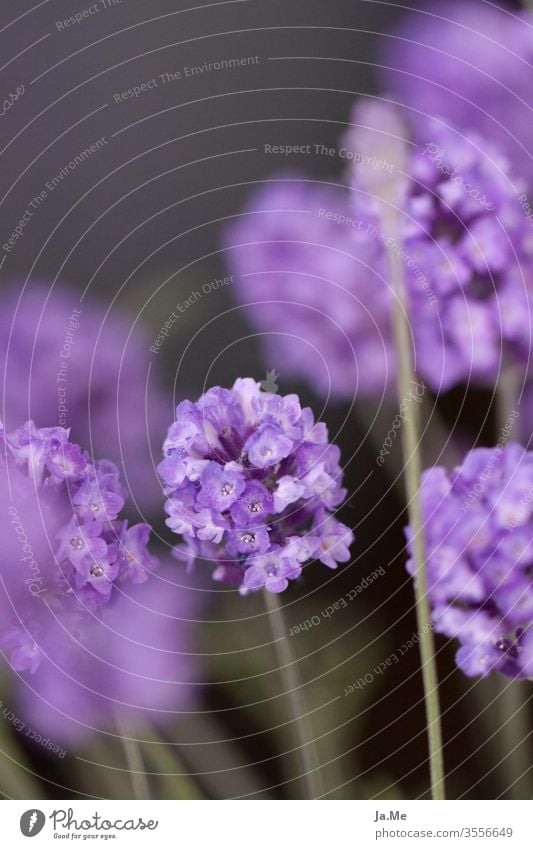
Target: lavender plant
point(252, 485)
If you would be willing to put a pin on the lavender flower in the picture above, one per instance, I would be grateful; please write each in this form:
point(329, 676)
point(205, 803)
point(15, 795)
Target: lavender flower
point(135, 659)
point(70, 363)
point(311, 281)
point(465, 244)
point(313, 265)
point(469, 63)
point(66, 549)
point(479, 545)
point(252, 482)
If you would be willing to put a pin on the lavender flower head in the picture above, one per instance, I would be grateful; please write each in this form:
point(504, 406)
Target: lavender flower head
point(252, 483)
point(471, 64)
point(479, 545)
point(465, 244)
point(72, 364)
point(313, 272)
point(66, 548)
point(309, 278)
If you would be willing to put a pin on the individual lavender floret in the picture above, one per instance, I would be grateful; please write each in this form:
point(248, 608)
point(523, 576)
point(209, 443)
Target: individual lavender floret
point(478, 532)
point(465, 245)
point(252, 482)
point(469, 63)
point(66, 549)
point(311, 280)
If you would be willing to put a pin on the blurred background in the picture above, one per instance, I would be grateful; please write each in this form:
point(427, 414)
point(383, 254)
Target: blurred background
point(129, 233)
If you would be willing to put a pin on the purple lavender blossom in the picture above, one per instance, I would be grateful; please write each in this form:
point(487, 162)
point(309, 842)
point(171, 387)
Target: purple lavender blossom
point(469, 63)
point(313, 270)
point(479, 547)
point(310, 279)
point(69, 363)
point(466, 246)
point(135, 659)
point(251, 482)
point(66, 549)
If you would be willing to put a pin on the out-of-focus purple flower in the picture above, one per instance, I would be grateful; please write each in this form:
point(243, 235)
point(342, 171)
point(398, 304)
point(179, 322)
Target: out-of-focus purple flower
point(313, 264)
point(464, 242)
point(69, 363)
point(478, 532)
point(65, 548)
point(251, 481)
point(311, 280)
point(135, 660)
point(471, 64)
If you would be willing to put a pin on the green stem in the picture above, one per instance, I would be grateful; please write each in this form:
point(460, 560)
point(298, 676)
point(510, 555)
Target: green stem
point(506, 401)
point(511, 698)
point(515, 732)
point(134, 761)
point(16, 779)
point(410, 434)
point(170, 769)
point(288, 667)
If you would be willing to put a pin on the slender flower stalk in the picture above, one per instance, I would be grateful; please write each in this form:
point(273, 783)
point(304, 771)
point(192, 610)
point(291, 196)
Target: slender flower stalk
point(413, 470)
point(515, 734)
point(288, 667)
point(134, 761)
point(511, 697)
point(387, 192)
point(69, 506)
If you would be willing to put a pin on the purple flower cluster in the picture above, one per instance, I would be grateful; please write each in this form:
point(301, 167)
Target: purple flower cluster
point(478, 528)
point(67, 549)
point(466, 246)
point(310, 279)
point(76, 365)
point(252, 482)
point(471, 64)
point(313, 271)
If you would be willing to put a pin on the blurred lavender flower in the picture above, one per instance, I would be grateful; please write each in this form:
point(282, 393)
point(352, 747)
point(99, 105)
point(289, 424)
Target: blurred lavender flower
point(479, 543)
point(135, 660)
point(313, 267)
point(68, 363)
point(251, 482)
point(65, 548)
point(466, 246)
point(311, 280)
point(471, 64)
